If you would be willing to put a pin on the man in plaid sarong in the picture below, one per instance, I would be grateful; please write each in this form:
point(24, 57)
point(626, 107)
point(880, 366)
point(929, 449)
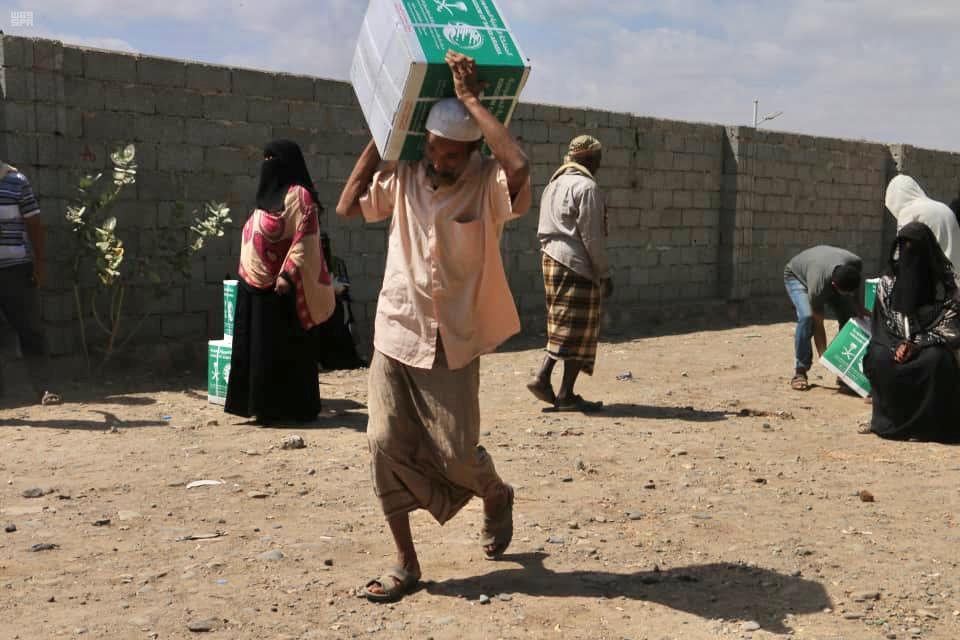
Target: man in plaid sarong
point(576, 273)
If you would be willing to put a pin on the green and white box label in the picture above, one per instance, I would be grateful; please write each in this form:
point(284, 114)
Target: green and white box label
point(219, 353)
point(870, 293)
point(399, 72)
point(845, 355)
point(229, 306)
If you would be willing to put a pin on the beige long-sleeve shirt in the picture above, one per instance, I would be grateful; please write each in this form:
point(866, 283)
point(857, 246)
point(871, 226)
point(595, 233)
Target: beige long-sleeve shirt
point(572, 228)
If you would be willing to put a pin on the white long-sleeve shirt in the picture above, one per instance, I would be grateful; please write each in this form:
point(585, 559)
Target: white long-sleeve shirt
point(572, 228)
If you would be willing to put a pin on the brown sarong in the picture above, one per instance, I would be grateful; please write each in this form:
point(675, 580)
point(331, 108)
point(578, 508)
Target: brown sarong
point(424, 434)
point(573, 314)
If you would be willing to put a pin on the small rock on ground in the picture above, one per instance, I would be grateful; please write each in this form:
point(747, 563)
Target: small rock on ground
point(202, 626)
point(293, 442)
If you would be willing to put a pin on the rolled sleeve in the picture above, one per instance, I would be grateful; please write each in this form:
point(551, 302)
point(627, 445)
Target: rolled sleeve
point(380, 199)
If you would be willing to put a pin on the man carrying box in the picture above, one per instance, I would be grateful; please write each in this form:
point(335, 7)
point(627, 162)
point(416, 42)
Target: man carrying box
point(819, 277)
point(444, 302)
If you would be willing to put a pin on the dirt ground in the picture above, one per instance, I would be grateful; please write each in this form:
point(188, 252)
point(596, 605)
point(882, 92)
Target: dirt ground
point(707, 501)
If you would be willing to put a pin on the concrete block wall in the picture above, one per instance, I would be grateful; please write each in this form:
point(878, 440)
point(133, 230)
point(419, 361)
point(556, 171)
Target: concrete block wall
point(698, 214)
point(661, 181)
point(805, 190)
point(199, 132)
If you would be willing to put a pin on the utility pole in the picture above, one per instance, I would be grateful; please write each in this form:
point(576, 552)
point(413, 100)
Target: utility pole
point(770, 116)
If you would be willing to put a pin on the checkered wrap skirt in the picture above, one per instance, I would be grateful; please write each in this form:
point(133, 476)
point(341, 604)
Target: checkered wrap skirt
point(573, 314)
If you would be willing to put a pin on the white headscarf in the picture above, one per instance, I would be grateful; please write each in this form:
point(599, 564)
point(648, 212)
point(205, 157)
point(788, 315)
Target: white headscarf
point(908, 203)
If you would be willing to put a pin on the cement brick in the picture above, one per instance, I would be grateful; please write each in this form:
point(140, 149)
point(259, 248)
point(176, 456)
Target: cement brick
point(157, 128)
point(161, 72)
point(218, 269)
point(524, 111)
point(85, 94)
point(129, 97)
point(682, 162)
point(210, 186)
point(229, 160)
point(178, 102)
point(157, 185)
point(662, 199)
point(245, 82)
point(310, 116)
point(137, 215)
point(347, 119)
point(572, 117)
point(291, 87)
point(108, 65)
point(105, 125)
point(72, 61)
point(183, 325)
point(179, 157)
point(48, 55)
point(268, 110)
point(546, 113)
point(682, 199)
point(225, 107)
point(246, 134)
point(206, 133)
point(331, 92)
point(48, 86)
point(207, 78)
point(47, 150)
point(16, 51)
point(20, 116)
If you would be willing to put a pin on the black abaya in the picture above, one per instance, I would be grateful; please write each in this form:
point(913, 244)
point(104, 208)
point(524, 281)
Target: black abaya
point(918, 399)
point(273, 374)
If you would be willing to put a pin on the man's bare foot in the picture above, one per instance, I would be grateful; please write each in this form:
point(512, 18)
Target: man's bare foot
point(542, 390)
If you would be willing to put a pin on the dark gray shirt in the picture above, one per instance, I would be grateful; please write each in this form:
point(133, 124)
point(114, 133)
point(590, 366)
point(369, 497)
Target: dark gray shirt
point(814, 268)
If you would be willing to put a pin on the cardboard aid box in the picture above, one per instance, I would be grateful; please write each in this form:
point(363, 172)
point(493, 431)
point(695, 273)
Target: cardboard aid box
point(870, 293)
point(398, 69)
point(845, 355)
point(229, 306)
point(219, 353)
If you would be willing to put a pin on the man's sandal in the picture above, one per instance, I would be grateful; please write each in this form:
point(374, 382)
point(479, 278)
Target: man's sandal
point(577, 403)
point(498, 529)
point(799, 383)
point(394, 584)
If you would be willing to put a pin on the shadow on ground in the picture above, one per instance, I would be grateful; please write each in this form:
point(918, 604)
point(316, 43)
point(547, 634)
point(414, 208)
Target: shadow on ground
point(649, 412)
point(710, 591)
point(337, 413)
point(109, 420)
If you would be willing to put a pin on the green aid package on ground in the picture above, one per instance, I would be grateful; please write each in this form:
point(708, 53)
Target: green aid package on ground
point(398, 69)
point(845, 355)
point(229, 307)
point(219, 353)
point(870, 293)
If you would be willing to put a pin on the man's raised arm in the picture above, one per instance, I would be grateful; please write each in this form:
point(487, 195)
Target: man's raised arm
point(505, 149)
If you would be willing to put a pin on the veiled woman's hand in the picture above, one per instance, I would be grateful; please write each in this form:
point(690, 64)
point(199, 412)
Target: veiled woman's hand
point(282, 287)
point(905, 351)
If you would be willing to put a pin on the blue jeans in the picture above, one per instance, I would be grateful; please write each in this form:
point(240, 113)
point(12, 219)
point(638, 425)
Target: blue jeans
point(804, 334)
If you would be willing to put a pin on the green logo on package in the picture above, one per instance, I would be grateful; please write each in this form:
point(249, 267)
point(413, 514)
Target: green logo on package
point(463, 36)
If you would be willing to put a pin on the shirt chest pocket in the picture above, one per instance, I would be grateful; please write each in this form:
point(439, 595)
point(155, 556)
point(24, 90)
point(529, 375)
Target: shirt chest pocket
point(465, 244)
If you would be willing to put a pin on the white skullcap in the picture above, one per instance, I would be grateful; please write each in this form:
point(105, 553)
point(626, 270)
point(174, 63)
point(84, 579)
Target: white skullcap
point(450, 119)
